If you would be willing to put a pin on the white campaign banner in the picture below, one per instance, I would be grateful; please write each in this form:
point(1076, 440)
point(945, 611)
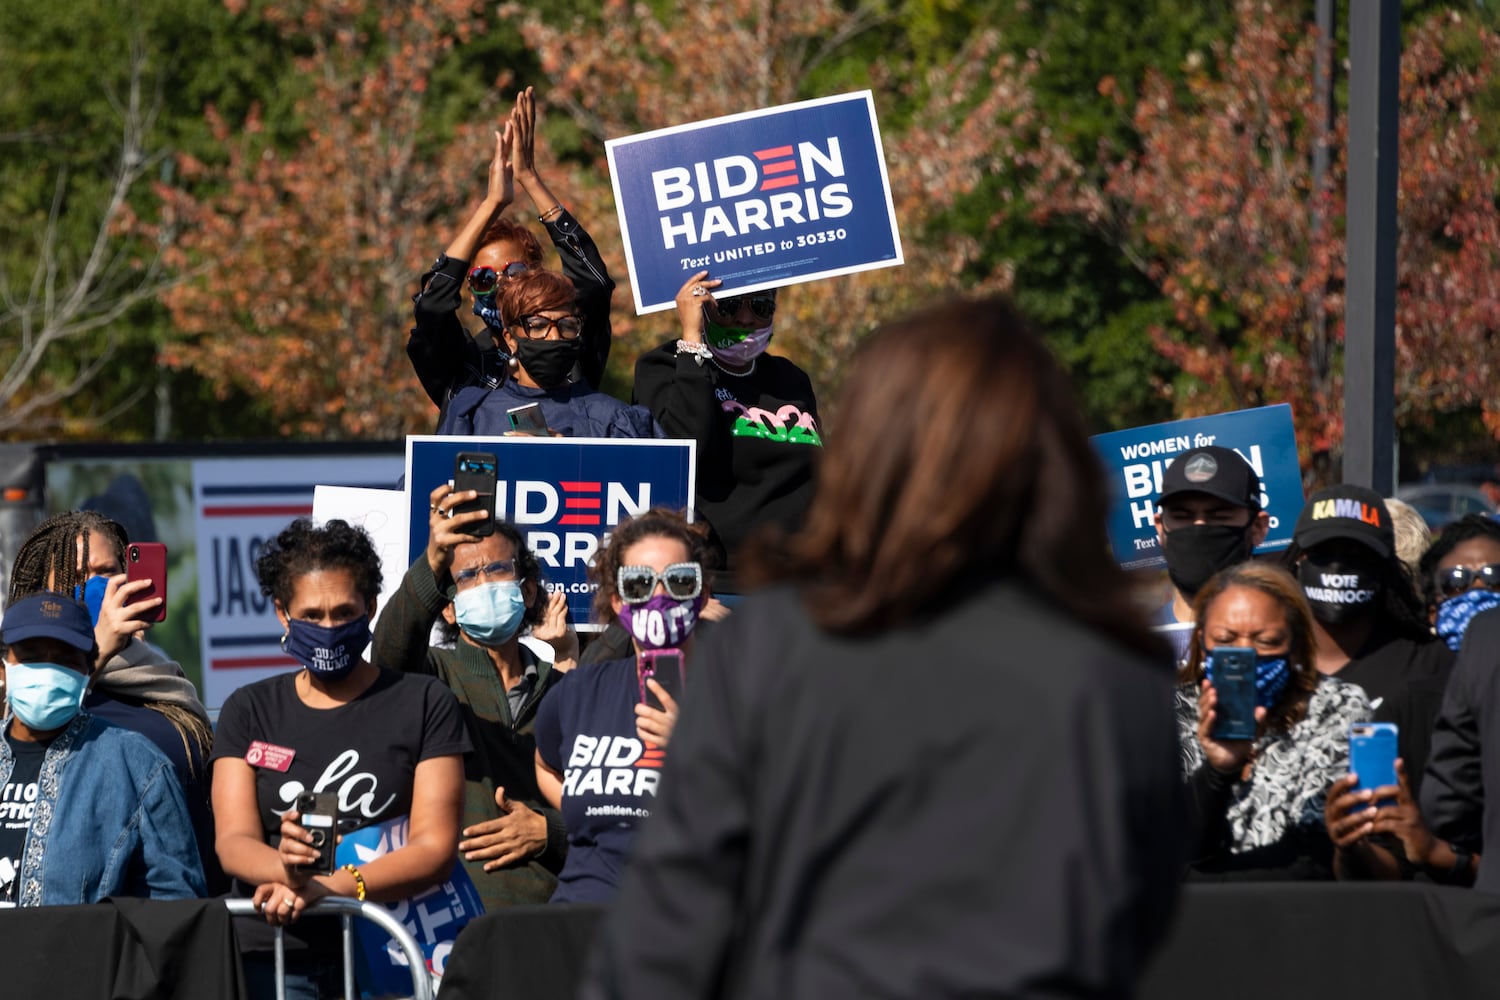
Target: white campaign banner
point(238, 504)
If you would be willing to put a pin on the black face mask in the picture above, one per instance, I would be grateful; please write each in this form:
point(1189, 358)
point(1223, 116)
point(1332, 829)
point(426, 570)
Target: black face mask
point(1196, 552)
point(548, 362)
point(1336, 590)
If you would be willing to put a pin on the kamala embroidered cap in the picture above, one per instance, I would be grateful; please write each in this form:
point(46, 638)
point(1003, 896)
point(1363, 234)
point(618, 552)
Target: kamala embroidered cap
point(48, 616)
point(1219, 472)
point(1347, 511)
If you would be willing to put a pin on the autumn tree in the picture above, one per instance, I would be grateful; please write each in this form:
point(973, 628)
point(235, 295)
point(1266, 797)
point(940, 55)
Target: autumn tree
point(632, 67)
point(310, 253)
point(1215, 205)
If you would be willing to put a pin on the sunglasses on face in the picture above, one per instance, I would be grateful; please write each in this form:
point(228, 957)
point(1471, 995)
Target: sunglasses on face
point(1458, 579)
point(484, 280)
point(497, 570)
point(536, 327)
point(636, 584)
point(761, 306)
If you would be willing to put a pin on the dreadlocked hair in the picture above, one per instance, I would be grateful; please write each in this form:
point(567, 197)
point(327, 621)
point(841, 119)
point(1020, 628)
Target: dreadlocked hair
point(49, 558)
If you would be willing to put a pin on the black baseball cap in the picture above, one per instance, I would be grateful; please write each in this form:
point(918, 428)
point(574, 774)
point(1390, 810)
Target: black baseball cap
point(1346, 511)
point(1219, 472)
point(48, 616)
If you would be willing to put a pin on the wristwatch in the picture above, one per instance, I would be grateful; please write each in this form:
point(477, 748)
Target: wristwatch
point(1461, 860)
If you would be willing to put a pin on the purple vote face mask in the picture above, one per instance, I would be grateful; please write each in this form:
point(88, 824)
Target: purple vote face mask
point(662, 621)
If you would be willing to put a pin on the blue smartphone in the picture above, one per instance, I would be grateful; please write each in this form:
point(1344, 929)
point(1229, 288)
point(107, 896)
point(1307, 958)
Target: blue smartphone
point(1372, 756)
point(1234, 683)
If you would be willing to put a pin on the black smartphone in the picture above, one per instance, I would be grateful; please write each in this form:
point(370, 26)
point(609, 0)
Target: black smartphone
point(1234, 683)
point(475, 470)
point(665, 667)
point(148, 561)
point(320, 817)
point(528, 419)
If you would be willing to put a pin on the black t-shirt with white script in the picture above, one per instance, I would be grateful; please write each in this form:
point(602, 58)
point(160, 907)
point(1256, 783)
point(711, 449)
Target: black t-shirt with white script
point(366, 751)
point(17, 805)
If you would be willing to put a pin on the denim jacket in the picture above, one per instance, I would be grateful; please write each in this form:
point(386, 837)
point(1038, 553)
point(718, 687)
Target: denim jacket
point(110, 820)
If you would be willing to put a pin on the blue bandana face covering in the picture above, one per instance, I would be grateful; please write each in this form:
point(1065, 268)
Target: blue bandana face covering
point(1271, 676)
point(490, 613)
point(45, 696)
point(90, 594)
point(487, 308)
point(1455, 614)
point(327, 653)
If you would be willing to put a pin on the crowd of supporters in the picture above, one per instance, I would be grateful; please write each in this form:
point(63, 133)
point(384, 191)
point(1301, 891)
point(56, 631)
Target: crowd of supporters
point(941, 707)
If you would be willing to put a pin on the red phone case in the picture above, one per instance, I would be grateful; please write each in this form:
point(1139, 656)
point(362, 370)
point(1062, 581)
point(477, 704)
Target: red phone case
point(148, 561)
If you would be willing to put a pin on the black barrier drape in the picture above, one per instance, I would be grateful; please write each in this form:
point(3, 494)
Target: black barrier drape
point(1229, 942)
point(1325, 941)
point(121, 949)
point(534, 952)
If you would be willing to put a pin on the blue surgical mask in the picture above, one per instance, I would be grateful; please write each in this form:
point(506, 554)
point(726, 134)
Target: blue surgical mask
point(1271, 676)
point(45, 696)
point(90, 594)
point(329, 653)
point(490, 613)
point(1455, 613)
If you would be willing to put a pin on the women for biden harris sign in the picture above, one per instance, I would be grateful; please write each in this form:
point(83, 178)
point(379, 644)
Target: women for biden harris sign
point(771, 197)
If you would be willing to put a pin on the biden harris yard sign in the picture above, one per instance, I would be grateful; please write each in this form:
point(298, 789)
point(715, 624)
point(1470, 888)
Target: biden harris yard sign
point(770, 197)
point(1135, 459)
point(564, 494)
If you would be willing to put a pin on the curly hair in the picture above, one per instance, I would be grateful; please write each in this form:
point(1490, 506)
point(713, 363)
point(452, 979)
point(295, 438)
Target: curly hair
point(303, 548)
point(658, 521)
point(1302, 648)
point(1466, 528)
point(503, 230)
point(49, 559)
point(535, 292)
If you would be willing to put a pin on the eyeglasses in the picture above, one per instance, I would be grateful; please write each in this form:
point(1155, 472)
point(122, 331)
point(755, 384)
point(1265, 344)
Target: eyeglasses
point(505, 568)
point(636, 584)
point(1458, 579)
point(536, 327)
point(762, 306)
point(484, 280)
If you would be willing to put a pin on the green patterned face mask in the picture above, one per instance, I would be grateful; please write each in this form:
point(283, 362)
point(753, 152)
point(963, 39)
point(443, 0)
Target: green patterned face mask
point(735, 345)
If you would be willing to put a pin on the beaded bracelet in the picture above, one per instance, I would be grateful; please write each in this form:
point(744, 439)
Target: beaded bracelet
point(359, 882)
point(700, 352)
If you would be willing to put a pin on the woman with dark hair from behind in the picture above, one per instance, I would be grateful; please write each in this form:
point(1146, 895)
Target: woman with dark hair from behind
point(945, 715)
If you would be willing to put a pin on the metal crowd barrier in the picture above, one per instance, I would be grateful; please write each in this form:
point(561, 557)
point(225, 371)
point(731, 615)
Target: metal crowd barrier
point(346, 910)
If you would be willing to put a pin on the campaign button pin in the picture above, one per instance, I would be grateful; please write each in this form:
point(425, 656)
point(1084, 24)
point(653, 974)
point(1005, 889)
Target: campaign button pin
point(262, 754)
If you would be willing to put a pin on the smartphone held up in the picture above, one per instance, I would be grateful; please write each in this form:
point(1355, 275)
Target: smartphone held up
point(477, 471)
point(1233, 673)
point(148, 561)
point(665, 667)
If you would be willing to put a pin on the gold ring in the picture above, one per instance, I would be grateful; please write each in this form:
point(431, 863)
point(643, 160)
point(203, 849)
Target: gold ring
point(285, 903)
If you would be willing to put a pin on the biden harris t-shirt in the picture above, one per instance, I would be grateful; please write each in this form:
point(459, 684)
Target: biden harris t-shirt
point(585, 730)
